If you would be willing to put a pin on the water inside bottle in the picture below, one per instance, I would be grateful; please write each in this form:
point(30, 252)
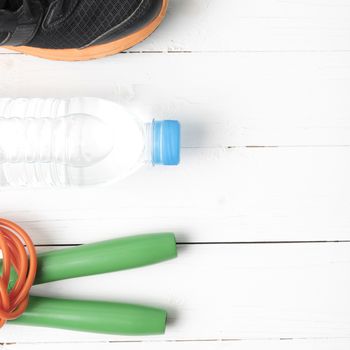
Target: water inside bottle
point(69, 142)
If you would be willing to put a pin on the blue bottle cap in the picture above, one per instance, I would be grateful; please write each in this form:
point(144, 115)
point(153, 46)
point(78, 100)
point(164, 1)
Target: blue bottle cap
point(166, 142)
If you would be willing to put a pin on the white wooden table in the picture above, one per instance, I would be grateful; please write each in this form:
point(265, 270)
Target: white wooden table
point(261, 201)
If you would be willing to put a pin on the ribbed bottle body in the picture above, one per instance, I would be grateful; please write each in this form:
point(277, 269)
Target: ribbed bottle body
point(68, 142)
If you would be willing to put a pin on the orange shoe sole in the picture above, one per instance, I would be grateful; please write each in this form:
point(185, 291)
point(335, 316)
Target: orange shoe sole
point(97, 51)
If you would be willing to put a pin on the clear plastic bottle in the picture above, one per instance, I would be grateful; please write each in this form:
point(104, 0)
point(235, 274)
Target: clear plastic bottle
point(78, 142)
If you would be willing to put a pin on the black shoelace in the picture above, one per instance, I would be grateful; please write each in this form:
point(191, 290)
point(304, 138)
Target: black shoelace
point(10, 5)
point(13, 12)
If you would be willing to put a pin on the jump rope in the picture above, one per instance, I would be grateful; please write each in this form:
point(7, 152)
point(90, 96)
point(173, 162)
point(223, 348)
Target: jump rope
point(22, 268)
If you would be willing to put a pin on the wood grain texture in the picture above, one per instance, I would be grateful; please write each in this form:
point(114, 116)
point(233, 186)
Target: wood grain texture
point(252, 25)
point(312, 344)
point(222, 99)
point(216, 195)
point(217, 292)
point(262, 91)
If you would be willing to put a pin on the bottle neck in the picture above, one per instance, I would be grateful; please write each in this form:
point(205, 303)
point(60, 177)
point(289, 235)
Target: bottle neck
point(149, 143)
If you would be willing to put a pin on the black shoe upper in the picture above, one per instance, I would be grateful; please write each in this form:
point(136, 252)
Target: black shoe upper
point(62, 24)
point(19, 20)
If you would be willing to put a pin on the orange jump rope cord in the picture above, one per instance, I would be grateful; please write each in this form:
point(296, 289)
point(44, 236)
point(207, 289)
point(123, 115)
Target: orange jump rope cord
point(12, 240)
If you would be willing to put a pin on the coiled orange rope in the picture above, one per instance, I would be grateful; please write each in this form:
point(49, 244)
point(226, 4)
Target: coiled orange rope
point(12, 240)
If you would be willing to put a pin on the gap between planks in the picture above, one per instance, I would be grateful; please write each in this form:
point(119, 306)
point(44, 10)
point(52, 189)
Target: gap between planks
point(213, 52)
point(181, 341)
point(215, 243)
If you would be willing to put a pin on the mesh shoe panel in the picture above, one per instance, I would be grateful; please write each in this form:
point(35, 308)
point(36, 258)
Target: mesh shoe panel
point(89, 20)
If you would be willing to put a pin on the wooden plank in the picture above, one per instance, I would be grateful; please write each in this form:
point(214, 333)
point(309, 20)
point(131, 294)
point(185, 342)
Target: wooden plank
point(319, 344)
point(216, 195)
point(221, 99)
point(224, 292)
point(252, 25)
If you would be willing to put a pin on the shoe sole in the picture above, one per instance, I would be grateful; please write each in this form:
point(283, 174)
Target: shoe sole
point(97, 51)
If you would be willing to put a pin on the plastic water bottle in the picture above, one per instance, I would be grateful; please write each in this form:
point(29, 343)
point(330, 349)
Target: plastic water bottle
point(78, 142)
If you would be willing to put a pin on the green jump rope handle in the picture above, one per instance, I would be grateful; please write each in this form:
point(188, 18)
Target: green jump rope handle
point(92, 259)
point(107, 256)
point(93, 316)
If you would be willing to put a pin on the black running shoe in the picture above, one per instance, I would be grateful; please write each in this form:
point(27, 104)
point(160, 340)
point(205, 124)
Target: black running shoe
point(73, 30)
